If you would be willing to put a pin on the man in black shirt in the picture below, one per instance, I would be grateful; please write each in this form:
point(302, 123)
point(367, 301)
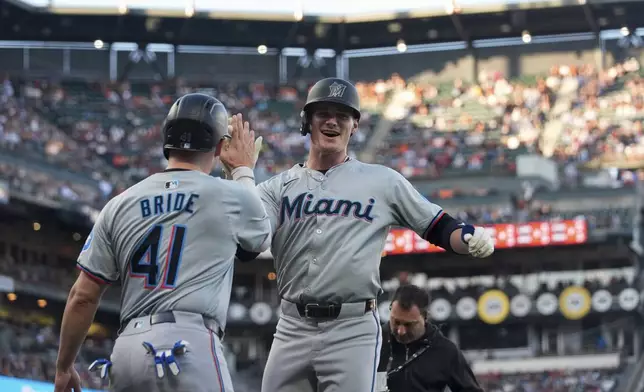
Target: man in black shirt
point(418, 358)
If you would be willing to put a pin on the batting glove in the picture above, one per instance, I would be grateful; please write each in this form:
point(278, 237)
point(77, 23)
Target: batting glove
point(258, 147)
point(103, 365)
point(479, 241)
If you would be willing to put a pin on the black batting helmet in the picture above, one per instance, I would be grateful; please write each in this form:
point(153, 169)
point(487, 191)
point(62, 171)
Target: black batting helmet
point(334, 90)
point(195, 122)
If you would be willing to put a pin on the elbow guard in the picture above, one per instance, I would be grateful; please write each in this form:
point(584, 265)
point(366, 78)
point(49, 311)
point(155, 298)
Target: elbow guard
point(440, 232)
point(244, 255)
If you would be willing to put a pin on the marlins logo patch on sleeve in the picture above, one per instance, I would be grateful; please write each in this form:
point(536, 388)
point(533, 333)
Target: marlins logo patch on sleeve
point(88, 241)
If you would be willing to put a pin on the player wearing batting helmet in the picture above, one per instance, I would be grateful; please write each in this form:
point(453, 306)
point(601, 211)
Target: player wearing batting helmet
point(195, 123)
point(171, 240)
point(330, 218)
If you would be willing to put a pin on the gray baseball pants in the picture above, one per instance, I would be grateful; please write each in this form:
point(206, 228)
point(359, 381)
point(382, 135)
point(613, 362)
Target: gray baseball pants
point(202, 368)
point(338, 355)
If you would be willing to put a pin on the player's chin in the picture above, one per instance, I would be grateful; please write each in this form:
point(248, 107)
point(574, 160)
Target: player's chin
point(332, 143)
point(331, 149)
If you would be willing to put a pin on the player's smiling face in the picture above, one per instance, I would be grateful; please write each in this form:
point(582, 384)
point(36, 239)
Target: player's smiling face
point(331, 127)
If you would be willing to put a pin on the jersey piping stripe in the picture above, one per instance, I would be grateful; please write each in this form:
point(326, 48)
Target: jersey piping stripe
point(433, 223)
point(93, 275)
point(375, 351)
point(213, 350)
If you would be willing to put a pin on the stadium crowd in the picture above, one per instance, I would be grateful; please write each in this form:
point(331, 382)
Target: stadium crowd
point(556, 381)
point(119, 123)
point(28, 349)
point(105, 136)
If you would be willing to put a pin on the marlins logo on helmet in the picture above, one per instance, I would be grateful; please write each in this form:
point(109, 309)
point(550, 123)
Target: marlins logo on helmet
point(334, 90)
point(337, 90)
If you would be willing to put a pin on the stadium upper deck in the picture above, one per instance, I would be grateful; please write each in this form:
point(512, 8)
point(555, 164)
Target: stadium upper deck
point(444, 41)
point(333, 24)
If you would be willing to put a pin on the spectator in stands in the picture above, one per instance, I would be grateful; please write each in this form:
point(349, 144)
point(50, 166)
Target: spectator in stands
point(419, 358)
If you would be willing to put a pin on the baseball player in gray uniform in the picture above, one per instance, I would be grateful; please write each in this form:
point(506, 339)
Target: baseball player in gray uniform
point(330, 218)
point(171, 241)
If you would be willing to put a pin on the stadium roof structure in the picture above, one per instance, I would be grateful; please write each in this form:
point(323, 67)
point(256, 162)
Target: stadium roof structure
point(348, 25)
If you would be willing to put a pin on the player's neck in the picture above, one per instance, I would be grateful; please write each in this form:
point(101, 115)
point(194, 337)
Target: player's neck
point(172, 164)
point(321, 161)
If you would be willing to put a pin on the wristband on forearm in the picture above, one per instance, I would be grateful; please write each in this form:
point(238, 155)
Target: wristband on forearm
point(244, 174)
point(466, 229)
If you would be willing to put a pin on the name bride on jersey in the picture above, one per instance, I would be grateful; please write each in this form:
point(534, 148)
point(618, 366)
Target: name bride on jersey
point(304, 206)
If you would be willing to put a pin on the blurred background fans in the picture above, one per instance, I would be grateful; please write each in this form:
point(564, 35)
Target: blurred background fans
point(523, 116)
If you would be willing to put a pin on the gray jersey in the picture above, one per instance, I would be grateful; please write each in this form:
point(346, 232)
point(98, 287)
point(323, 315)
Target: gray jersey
point(171, 240)
point(329, 230)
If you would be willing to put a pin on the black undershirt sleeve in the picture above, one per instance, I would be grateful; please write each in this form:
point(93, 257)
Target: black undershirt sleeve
point(244, 255)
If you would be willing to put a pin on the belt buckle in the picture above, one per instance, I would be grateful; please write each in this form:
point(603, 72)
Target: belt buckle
point(330, 310)
point(310, 306)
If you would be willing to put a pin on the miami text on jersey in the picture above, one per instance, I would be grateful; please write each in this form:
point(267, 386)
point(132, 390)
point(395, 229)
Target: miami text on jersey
point(304, 206)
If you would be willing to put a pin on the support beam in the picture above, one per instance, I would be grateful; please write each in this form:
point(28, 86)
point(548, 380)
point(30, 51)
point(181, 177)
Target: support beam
point(290, 37)
point(466, 37)
point(590, 18)
point(340, 72)
point(458, 25)
point(589, 15)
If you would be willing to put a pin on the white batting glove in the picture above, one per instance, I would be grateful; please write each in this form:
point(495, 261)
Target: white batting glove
point(480, 244)
point(258, 148)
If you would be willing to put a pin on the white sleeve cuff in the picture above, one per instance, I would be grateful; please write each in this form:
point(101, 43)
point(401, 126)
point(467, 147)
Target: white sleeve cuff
point(242, 171)
point(244, 175)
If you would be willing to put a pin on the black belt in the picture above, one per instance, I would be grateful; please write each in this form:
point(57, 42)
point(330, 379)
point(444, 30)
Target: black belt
point(316, 310)
point(168, 317)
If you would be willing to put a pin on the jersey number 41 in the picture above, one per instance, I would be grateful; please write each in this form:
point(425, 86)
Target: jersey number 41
point(144, 262)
